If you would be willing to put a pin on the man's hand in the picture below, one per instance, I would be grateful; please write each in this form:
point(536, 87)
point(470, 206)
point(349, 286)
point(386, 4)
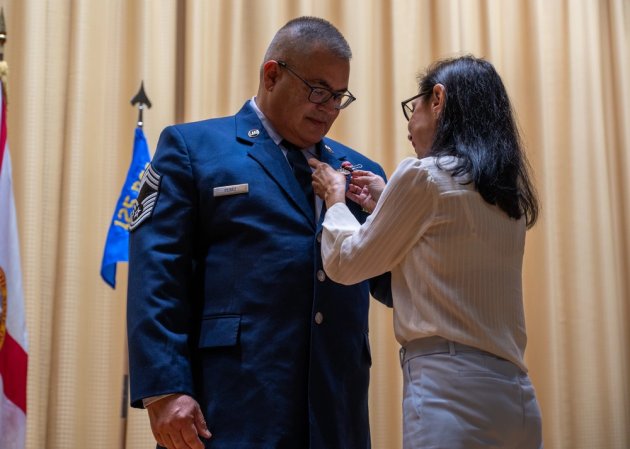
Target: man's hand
point(328, 183)
point(177, 422)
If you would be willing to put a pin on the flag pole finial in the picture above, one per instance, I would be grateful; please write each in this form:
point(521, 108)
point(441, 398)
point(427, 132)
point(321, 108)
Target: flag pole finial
point(142, 101)
point(4, 67)
point(3, 34)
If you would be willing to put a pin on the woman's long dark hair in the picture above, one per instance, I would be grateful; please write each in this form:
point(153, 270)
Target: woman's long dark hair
point(478, 127)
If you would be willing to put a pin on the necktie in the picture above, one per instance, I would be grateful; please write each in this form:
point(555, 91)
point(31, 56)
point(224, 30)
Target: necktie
point(301, 171)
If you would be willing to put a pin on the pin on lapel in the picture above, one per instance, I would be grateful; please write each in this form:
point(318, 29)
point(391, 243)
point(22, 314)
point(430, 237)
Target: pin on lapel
point(347, 167)
point(253, 132)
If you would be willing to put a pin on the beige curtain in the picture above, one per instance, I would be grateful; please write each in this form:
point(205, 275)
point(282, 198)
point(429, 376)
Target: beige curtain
point(76, 64)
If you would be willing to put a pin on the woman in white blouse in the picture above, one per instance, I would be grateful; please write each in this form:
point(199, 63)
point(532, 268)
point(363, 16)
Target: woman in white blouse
point(450, 226)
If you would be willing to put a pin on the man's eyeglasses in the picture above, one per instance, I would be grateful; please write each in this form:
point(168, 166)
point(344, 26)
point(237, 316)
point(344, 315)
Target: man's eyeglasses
point(320, 95)
point(407, 105)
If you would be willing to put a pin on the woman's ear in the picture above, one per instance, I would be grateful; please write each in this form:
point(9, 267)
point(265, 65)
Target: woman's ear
point(438, 99)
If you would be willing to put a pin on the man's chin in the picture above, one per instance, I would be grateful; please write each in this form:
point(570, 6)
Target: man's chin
point(317, 128)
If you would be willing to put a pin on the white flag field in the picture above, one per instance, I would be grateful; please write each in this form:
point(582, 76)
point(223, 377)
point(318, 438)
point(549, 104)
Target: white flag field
point(13, 338)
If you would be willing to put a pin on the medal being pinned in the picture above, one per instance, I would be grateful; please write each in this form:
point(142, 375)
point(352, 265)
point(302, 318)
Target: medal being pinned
point(347, 167)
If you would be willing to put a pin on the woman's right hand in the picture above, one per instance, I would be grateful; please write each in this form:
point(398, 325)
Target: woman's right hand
point(365, 189)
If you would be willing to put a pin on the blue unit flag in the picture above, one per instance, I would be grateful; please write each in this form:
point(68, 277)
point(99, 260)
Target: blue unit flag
point(117, 244)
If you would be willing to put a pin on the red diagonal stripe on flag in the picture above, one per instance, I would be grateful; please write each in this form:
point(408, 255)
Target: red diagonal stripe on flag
point(13, 361)
point(13, 358)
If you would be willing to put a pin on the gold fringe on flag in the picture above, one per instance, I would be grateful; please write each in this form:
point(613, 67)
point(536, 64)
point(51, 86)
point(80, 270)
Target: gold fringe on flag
point(4, 77)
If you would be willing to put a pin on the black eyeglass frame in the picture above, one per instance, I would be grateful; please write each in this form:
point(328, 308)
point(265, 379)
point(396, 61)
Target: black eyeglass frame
point(327, 93)
point(408, 110)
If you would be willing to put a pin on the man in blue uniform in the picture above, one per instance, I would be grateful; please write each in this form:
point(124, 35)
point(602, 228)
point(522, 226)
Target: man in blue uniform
point(231, 319)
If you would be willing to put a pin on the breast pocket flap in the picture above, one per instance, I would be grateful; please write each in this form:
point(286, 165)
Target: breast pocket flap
point(218, 331)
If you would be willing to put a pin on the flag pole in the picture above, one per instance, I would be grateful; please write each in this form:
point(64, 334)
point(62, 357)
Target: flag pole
point(142, 101)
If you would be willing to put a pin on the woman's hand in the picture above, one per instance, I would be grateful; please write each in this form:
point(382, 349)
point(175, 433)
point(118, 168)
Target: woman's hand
point(328, 183)
point(361, 196)
point(365, 189)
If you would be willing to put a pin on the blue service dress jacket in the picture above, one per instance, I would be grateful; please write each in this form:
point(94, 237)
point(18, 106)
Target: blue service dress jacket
point(227, 298)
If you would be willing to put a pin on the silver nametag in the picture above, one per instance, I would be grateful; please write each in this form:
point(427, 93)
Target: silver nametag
point(231, 190)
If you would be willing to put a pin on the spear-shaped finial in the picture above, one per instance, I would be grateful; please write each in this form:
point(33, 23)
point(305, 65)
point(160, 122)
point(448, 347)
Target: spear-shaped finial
point(4, 67)
point(142, 101)
point(3, 34)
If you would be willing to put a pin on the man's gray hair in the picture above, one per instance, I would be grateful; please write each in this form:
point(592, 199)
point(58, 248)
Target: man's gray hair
point(304, 35)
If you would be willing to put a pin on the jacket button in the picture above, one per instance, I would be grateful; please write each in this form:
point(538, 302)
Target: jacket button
point(319, 238)
point(321, 276)
point(319, 318)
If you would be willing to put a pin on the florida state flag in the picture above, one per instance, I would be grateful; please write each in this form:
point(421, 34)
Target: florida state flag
point(13, 342)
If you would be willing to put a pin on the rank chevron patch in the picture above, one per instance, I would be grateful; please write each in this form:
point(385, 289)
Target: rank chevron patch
point(147, 197)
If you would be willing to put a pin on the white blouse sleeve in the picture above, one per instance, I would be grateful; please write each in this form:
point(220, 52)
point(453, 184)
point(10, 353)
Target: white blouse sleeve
point(352, 253)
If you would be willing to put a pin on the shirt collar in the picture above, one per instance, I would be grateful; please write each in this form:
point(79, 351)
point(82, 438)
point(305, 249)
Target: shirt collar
point(277, 138)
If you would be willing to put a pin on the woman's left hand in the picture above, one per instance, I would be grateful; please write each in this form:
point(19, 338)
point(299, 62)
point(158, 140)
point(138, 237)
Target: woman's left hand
point(328, 183)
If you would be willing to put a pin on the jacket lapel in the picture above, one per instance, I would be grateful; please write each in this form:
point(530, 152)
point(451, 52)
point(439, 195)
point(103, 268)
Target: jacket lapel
point(333, 157)
point(270, 157)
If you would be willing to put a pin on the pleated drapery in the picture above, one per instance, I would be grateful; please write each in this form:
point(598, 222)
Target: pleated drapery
point(74, 66)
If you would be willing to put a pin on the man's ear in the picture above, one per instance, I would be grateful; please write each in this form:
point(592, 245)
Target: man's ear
point(438, 99)
point(271, 74)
